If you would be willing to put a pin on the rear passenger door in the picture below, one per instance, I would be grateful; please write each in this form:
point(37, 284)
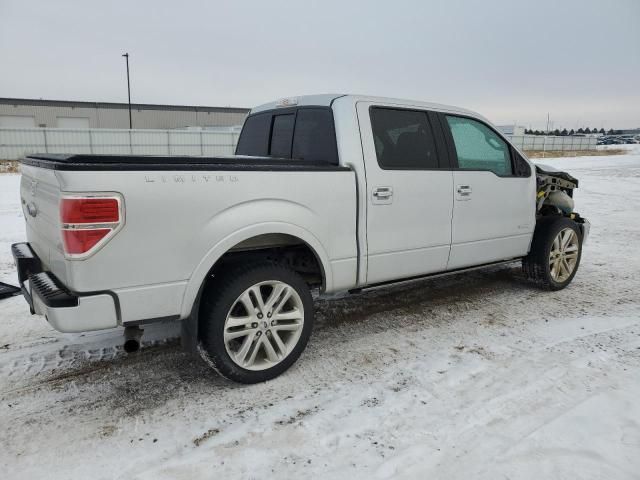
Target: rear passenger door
point(494, 191)
point(409, 192)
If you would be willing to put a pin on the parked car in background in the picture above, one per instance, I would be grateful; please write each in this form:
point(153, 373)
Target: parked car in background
point(618, 140)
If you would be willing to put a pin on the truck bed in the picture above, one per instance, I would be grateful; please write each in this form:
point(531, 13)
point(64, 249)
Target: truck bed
point(180, 214)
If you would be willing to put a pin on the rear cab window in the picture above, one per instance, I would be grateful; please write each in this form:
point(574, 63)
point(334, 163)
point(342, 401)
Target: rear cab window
point(305, 134)
point(255, 134)
point(281, 135)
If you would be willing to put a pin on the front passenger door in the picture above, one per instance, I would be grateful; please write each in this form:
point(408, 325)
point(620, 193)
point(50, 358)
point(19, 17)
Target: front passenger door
point(494, 197)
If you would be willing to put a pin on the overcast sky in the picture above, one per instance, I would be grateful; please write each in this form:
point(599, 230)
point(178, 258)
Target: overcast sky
point(512, 61)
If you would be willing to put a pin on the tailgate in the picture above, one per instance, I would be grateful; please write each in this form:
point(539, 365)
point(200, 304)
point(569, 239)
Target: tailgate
point(40, 197)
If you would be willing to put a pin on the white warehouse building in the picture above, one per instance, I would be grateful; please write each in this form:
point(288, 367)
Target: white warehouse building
point(33, 113)
point(511, 130)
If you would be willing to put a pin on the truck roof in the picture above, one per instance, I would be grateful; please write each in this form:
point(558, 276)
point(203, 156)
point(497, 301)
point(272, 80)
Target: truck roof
point(327, 99)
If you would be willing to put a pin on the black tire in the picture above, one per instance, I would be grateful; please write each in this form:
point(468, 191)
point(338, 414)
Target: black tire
point(536, 265)
point(220, 297)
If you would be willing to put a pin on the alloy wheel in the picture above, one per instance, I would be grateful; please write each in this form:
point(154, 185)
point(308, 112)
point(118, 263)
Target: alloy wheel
point(564, 255)
point(264, 325)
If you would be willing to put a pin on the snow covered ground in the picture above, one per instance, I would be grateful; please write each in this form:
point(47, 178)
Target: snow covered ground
point(476, 376)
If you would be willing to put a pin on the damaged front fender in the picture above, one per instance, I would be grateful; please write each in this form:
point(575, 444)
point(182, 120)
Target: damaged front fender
point(555, 189)
point(555, 196)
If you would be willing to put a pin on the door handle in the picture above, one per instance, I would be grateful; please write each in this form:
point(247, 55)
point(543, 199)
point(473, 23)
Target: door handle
point(382, 195)
point(463, 192)
point(383, 192)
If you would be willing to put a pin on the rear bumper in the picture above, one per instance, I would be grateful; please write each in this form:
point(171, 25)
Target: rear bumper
point(64, 310)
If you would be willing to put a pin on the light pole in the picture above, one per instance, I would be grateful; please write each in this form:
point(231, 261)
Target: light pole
point(126, 56)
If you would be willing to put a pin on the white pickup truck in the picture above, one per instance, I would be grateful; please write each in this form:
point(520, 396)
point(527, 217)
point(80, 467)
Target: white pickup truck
point(326, 192)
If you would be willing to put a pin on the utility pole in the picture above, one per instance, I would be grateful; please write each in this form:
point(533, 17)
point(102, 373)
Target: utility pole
point(547, 113)
point(544, 142)
point(126, 55)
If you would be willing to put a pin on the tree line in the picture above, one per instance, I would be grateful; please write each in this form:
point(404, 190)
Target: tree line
point(565, 132)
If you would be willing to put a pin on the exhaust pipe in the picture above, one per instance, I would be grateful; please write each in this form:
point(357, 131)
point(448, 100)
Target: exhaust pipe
point(132, 336)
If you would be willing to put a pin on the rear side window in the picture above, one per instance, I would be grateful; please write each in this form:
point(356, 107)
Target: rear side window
point(403, 139)
point(478, 147)
point(305, 134)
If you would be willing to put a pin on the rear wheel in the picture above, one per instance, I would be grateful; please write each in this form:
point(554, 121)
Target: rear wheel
point(255, 322)
point(555, 253)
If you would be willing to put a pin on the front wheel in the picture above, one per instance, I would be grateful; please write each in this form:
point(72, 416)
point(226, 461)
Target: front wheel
point(555, 253)
point(255, 322)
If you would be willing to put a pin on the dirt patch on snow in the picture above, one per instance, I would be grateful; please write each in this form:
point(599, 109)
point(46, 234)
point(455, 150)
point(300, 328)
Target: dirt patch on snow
point(9, 166)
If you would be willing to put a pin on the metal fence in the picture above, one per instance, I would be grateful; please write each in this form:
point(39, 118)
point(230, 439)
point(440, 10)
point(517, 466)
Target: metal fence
point(15, 143)
point(543, 142)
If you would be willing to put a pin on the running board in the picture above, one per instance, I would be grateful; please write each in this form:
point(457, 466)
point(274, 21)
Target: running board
point(434, 275)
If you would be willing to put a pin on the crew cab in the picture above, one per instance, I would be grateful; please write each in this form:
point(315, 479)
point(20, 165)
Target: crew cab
point(326, 192)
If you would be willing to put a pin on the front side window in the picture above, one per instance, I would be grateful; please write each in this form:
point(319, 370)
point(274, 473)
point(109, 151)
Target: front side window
point(478, 147)
point(403, 139)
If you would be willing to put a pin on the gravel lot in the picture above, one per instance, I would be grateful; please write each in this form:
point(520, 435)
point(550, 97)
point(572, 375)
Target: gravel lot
point(474, 376)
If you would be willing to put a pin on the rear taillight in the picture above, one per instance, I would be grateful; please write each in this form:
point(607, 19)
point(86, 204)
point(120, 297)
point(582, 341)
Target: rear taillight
point(88, 222)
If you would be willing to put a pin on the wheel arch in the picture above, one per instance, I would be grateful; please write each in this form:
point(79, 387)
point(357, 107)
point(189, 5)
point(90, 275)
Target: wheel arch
point(251, 238)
